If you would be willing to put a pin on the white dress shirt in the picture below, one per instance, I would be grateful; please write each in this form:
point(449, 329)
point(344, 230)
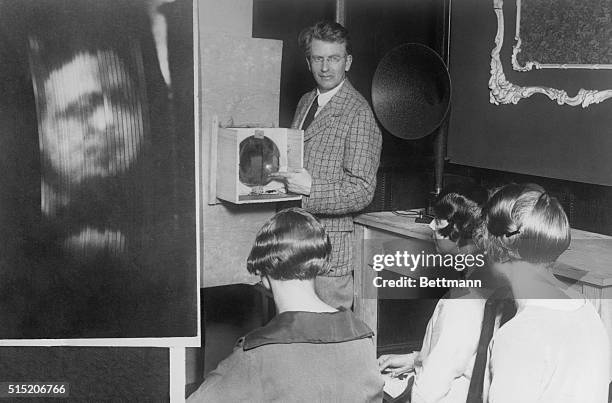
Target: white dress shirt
point(323, 99)
point(552, 351)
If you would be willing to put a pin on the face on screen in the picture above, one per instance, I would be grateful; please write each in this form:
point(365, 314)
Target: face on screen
point(92, 120)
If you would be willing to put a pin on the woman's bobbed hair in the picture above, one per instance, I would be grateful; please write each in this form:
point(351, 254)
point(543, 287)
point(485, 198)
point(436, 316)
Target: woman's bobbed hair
point(292, 245)
point(523, 222)
point(460, 205)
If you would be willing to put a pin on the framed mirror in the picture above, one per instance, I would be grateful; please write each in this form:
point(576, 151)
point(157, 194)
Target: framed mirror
point(541, 43)
point(560, 34)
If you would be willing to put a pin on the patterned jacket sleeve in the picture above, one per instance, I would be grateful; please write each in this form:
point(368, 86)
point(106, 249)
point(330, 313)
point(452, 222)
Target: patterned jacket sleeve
point(355, 190)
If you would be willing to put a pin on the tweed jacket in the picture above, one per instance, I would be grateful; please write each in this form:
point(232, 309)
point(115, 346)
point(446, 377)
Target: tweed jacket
point(341, 152)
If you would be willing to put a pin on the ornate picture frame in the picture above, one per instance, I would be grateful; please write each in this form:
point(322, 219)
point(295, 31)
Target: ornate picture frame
point(574, 51)
point(504, 92)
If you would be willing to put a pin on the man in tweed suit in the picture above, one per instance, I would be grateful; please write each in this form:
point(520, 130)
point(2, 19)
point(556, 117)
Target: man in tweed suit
point(342, 145)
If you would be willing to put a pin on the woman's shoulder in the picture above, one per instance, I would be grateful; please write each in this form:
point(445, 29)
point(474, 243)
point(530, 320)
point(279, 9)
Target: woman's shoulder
point(462, 302)
point(461, 311)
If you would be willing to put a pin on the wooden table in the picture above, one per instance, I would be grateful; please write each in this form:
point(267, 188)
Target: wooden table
point(586, 266)
point(372, 231)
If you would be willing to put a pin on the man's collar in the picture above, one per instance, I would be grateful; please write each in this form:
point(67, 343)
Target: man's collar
point(326, 96)
point(308, 327)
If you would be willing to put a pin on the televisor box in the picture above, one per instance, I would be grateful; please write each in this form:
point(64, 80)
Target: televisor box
point(245, 158)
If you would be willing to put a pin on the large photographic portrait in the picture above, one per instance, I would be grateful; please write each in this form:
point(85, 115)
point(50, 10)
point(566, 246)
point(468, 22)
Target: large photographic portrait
point(98, 188)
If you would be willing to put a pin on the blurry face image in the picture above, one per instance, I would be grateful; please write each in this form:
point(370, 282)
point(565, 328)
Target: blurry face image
point(92, 122)
point(328, 63)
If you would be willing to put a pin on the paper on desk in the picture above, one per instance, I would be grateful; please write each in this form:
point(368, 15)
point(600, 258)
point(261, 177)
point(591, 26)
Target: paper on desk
point(395, 386)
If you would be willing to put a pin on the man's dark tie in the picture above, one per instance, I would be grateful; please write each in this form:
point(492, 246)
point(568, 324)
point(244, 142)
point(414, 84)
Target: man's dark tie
point(311, 113)
point(500, 302)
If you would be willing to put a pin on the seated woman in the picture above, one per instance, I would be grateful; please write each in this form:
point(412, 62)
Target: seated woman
point(555, 349)
point(444, 364)
point(309, 352)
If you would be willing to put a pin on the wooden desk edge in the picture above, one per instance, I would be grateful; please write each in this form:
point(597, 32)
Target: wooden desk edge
point(405, 226)
point(396, 224)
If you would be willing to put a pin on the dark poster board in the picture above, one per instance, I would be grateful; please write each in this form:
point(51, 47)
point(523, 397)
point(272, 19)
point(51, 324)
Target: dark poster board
point(98, 188)
point(93, 374)
point(535, 136)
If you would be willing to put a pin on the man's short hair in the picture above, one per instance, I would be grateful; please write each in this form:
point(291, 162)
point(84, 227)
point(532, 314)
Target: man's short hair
point(523, 222)
point(326, 31)
point(292, 245)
